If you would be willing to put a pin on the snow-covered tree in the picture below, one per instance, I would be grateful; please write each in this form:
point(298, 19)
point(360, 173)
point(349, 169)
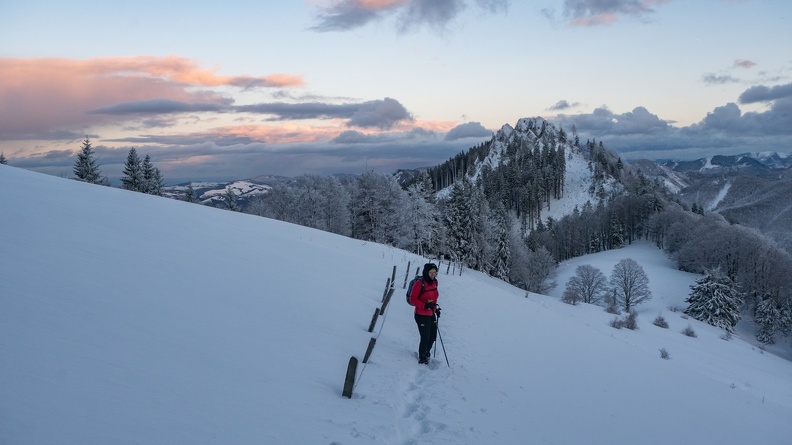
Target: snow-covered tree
point(630, 284)
point(189, 195)
point(86, 168)
point(377, 208)
point(422, 220)
point(615, 233)
point(230, 200)
point(336, 206)
point(534, 271)
point(501, 249)
point(460, 222)
point(589, 284)
point(541, 271)
point(133, 172)
point(153, 183)
point(278, 204)
point(772, 316)
point(715, 300)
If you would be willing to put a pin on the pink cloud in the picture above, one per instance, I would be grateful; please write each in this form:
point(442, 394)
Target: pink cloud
point(743, 63)
point(596, 20)
point(595, 12)
point(40, 96)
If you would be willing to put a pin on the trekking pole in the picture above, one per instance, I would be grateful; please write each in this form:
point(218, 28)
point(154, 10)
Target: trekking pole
point(437, 325)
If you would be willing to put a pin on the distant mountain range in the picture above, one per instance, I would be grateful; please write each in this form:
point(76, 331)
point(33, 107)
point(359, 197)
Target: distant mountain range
point(751, 189)
point(747, 163)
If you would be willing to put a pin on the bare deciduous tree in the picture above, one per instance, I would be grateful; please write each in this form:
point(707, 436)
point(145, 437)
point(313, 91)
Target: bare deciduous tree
point(630, 284)
point(588, 284)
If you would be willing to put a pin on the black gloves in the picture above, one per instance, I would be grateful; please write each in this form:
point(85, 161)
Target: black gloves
point(433, 306)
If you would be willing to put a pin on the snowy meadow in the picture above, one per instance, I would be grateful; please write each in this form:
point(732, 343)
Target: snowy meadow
point(134, 319)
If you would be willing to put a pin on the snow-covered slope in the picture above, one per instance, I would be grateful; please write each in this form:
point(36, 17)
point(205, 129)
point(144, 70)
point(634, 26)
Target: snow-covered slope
point(129, 319)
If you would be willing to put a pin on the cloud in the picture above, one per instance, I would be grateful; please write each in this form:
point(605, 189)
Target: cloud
point(742, 63)
point(715, 79)
point(606, 123)
point(351, 137)
point(605, 12)
point(42, 96)
point(357, 137)
point(159, 106)
point(379, 113)
point(350, 14)
point(725, 130)
point(307, 110)
point(761, 93)
point(345, 15)
point(434, 13)
point(383, 113)
point(467, 130)
point(563, 105)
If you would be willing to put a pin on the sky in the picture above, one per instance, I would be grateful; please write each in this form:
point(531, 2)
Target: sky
point(129, 318)
point(344, 86)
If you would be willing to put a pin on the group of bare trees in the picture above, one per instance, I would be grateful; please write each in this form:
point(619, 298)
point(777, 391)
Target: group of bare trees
point(628, 286)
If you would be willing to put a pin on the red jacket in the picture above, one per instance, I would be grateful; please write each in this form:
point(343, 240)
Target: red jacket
point(419, 299)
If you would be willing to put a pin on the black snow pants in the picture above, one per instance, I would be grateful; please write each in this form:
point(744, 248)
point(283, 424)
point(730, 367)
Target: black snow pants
point(427, 327)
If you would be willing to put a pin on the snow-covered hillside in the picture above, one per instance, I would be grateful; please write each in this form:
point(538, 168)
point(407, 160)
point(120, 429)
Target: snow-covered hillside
point(128, 318)
point(213, 193)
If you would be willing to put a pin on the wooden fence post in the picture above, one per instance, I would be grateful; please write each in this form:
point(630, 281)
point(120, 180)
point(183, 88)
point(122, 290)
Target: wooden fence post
point(385, 303)
point(374, 320)
point(371, 344)
point(387, 286)
point(406, 275)
point(349, 382)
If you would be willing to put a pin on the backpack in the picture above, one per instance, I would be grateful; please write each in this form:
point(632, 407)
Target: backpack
point(410, 286)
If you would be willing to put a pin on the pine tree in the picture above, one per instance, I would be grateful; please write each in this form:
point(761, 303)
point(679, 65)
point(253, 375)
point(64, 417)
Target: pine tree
point(152, 178)
point(772, 316)
point(133, 173)
point(766, 316)
point(616, 234)
point(502, 254)
point(715, 300)
point(459, 220)
point(3, 159)
point(421, 219)
point(189, 195)
point(157, 183)
point(230, 200)
point(148, 175)
point(86, 168)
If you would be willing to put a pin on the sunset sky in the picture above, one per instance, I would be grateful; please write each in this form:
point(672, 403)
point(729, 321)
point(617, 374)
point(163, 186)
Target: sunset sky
point(236, 89)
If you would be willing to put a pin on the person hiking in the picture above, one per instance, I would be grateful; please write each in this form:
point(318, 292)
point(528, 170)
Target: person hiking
point(423, 296)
